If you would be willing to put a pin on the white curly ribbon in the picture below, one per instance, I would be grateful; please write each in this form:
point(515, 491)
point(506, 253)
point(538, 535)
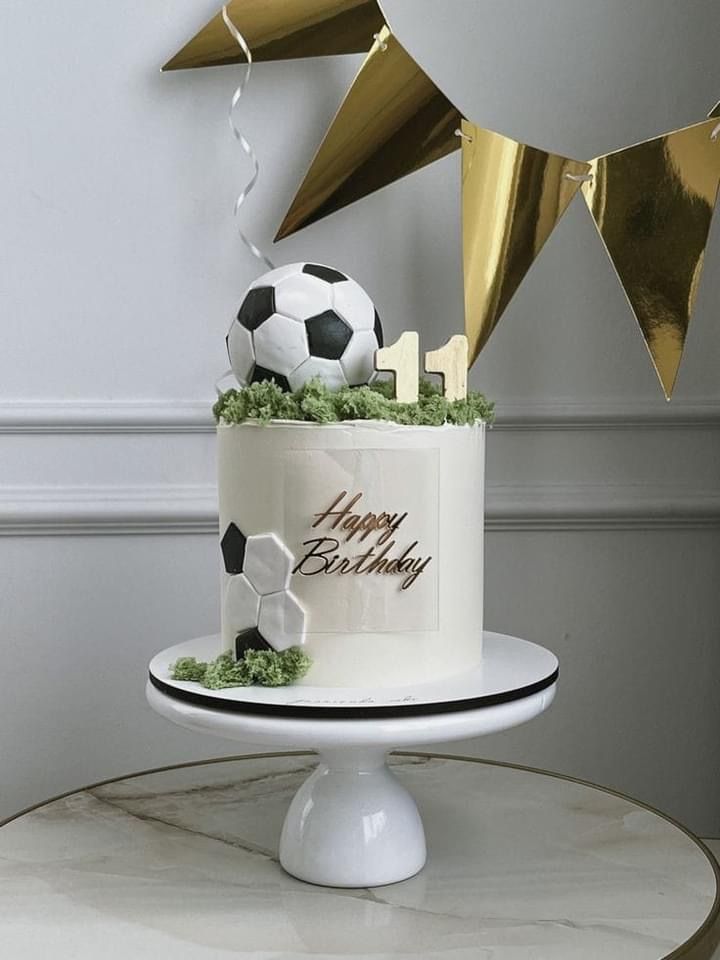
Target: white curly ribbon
point(241, 139)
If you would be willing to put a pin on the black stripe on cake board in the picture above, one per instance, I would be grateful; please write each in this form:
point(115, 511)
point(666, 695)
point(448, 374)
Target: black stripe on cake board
point(382, 712)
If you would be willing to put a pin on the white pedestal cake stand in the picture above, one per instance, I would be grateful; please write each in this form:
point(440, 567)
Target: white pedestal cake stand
point(352, 824)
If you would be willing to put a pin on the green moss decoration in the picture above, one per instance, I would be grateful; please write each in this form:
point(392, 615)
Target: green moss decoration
point(266, 668)
point(315, 403)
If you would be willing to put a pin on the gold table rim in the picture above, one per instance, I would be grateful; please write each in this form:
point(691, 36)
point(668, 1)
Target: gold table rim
point(699, 946)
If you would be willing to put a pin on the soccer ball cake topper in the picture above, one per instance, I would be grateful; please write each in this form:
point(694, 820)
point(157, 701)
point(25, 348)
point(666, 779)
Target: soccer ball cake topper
point(301, 321)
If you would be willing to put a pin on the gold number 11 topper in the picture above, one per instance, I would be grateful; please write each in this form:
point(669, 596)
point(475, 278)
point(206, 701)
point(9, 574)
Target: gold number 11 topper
point(402, 359)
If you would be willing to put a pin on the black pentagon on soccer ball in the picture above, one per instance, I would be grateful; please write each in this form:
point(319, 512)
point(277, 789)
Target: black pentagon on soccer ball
point(250, 639)
point(328, 335)
point(379, 331)
point(262, 373)
point(258, 306)
point(328, 274)
point(233, 549)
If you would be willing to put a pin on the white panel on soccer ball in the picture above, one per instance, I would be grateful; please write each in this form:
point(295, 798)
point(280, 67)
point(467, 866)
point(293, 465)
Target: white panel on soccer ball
point(282, 620)
point(241, 353)
point(302, 296)
point(280, 344)
point(267, 563)
point(330, 372)
point(358, 360)
point(241, 604)
point(273, 277)
point(353, 305)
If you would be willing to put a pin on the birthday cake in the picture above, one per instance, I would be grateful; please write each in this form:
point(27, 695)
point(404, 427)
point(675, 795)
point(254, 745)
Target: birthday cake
point(351, 522)
point(359, 541)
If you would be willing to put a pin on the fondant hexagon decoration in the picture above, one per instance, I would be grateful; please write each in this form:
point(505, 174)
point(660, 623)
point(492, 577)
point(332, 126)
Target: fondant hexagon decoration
point(358, 361)
point(262, 373)
point(328, 335)
point(302, 296)
point(241, 604)
point(379, 335)
point(353, 304)
point(250, 640)
point(328, 274)
point(330, 372)
point(282, 620)
point(258, 305)
point(268, 563)
point(281, 344)
point(239, 344)
point(233, 549)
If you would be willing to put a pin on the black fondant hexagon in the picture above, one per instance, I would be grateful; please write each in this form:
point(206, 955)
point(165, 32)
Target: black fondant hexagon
point(379, 331)
point(258, 305)
point(328, 274)
point(328, 335)
point(250, 639)
point(262, 373)
point(233, 549)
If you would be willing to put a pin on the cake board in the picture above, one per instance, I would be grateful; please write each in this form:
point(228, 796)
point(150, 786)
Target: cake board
point(352, 824)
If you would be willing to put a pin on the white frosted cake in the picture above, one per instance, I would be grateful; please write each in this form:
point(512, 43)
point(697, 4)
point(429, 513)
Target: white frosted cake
point(360, 542)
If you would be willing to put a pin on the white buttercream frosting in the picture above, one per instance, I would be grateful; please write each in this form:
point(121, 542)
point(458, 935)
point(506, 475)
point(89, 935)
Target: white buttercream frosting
point(385, 524)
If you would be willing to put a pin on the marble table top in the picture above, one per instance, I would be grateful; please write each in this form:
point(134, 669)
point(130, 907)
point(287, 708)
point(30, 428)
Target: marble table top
point(181, 865)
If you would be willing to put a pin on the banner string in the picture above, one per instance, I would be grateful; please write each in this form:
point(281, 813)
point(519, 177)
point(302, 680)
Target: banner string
point(241, 139)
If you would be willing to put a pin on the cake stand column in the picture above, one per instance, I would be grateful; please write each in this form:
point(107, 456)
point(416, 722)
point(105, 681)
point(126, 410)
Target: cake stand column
point(352, 824)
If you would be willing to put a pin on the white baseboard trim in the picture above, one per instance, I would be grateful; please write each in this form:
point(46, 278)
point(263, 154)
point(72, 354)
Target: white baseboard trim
point(601, 506)
point(607, 415)
point(107, 511)
point(100, 418)
point(168, 509)
point(163, 417)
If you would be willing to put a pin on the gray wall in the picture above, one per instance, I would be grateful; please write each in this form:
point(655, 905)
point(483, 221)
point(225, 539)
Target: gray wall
point(118, 282)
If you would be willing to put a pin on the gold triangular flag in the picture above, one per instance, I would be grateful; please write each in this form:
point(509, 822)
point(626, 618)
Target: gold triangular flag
point(283, 30)
point(512, 197)
point(393, 121)
point(653, 204)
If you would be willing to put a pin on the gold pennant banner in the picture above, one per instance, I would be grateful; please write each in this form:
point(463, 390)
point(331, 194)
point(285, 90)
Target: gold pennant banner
point(512, 198)
point(284, 30)
point(653, 205)
point(393, 121)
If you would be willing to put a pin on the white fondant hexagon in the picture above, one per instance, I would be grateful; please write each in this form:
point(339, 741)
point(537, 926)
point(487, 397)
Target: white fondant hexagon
point(330, 372)
point(241, 353)
point(273, 277)
point(282, 620)
point(302, 296)
point(268, 563)
point(241, 606)
point(281, 344)
point(354, 305)
point(358, 360)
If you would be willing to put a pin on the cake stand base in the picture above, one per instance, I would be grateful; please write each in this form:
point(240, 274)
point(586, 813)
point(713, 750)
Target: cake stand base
point(352, 824)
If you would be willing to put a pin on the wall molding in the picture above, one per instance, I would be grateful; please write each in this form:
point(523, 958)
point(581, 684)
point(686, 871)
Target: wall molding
point(106, 417)
point(182, 416)
point(181, 509)
point(108, 510)
point(562, 414)
point(166, 508)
